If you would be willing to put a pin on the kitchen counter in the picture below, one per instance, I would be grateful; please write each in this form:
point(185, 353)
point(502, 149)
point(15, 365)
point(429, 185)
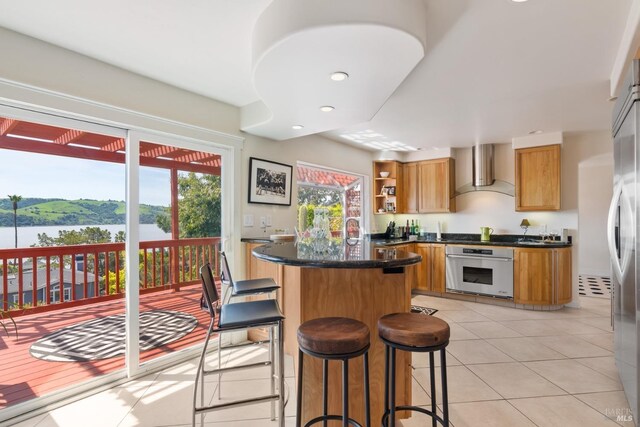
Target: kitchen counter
point(255, 240)
point(335, 253)
point(472, 239)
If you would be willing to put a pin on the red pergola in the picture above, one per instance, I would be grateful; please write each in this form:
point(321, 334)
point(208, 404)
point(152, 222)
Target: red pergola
point(43, 139)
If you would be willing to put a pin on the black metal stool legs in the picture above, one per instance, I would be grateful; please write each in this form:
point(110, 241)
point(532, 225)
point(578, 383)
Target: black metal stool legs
point(393, 387)
point(445, 397)
point(345, 393)
point(325, 389)
point(299, 393)
point(325, 417)
point(390, 408)
point(367, 402)
point(432, 375)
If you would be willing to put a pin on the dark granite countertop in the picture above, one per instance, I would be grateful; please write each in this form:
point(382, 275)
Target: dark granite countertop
point(511, 240)
point(335, 253)
point(255, 240)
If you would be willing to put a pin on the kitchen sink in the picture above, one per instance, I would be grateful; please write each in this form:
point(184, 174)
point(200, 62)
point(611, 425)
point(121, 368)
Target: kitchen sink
point(532, 243)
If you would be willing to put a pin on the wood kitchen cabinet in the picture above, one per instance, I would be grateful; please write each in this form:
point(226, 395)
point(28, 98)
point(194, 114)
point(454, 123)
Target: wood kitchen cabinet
point(410, 187)
point(256, 269)
point(538, 178)
point(542, 276)
point(436, 186)
point(382, 199)
point(430, 274)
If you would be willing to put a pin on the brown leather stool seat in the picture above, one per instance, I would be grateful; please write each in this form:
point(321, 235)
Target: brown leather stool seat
point(414, 332)
point(338, 339)
point(333, 335)
point(413, 329)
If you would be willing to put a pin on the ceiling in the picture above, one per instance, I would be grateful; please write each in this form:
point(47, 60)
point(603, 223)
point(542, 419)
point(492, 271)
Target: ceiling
point(491, 69)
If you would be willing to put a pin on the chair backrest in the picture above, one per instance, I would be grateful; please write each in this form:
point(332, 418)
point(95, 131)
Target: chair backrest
point(210, 296)
point(225, 274)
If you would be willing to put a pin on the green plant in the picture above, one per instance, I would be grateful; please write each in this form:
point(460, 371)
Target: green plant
point(4, 315)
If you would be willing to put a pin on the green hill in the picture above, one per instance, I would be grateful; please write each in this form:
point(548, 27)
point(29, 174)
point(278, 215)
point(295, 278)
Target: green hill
point(34, 211)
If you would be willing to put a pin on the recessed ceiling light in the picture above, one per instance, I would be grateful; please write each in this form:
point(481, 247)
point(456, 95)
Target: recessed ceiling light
point(326, 108)
point(518, 1)
point(297, 127)
point(339, 76)
point(535, 132)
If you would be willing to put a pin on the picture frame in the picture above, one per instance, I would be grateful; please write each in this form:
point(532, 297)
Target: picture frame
point(269, 182)
point(390, 206)
point(391, 191)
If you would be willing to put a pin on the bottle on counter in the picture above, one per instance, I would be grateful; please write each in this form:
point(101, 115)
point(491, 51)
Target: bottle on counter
point(413, 228)
point(407, 231)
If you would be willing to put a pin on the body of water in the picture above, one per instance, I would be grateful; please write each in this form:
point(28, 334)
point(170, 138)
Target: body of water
point(28, 236)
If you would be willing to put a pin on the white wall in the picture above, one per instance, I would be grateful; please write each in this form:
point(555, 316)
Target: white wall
point(594, 194)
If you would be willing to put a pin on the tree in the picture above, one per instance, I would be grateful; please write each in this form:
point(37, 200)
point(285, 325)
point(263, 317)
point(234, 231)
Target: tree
point(312, 195)
point(199, 212)
point(14, 200)
point(88, 235)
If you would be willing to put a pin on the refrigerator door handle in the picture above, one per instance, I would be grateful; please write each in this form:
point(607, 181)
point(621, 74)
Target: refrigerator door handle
point(619, 264)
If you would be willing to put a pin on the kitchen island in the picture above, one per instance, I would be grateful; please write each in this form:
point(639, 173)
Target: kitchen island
point(352, 279)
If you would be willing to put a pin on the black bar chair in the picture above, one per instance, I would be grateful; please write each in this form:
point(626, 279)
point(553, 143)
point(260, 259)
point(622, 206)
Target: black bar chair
point(237, 317)
point(241, 288)
point(334, 338)
point(414, 332)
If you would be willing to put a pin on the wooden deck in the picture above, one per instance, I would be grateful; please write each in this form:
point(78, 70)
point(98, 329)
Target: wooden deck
point(23, 377)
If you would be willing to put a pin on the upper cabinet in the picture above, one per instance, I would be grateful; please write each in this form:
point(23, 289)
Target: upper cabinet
point(410, 187)
point(538, 178)
point(427, 186)
point(387, 187)
point(436, 186)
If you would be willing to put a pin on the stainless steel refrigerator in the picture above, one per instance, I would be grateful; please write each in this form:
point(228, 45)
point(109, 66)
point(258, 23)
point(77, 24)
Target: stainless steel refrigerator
point(623, 229)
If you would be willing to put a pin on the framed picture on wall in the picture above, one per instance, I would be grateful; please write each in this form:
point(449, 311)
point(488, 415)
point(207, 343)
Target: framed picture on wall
point(269, 182)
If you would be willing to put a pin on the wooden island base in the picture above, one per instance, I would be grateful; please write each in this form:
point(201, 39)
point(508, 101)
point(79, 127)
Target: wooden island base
point(364, 294)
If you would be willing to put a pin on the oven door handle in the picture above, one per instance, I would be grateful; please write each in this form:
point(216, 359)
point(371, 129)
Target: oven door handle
point(492, 258)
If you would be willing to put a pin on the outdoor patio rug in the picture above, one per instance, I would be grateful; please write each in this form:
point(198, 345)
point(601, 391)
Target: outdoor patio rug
point(104, 337)
point(423, 310)
point(594, 286)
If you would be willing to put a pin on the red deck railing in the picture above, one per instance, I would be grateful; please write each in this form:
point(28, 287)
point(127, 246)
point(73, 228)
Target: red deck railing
point(163, 264)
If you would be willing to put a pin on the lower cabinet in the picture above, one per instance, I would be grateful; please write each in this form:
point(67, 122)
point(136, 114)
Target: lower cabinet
point(431, 271)
point(542, 276)
point(257, 269)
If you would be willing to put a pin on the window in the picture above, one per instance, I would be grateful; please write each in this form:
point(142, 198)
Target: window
point(67, 294)
point(340, 192)
point(55, 293)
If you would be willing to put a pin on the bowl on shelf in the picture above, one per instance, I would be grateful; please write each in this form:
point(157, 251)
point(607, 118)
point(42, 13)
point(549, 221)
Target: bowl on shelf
point(384, 174)
point(381, 210)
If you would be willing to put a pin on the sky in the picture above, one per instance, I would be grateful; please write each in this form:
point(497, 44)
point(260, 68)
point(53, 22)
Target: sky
point(46, 176)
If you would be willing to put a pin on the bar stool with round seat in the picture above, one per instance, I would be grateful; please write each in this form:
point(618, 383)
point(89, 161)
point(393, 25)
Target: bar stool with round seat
point(414, 332)
point(334, 338)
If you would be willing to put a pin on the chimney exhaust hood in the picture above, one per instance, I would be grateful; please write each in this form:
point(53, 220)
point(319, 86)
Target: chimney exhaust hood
point(482, 160)
point(483, 177)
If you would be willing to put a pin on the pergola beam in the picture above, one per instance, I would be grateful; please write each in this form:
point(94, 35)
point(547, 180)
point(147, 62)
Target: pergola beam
point(68, 137)
point(7, 126)
point(114, 146)
point(100, 155)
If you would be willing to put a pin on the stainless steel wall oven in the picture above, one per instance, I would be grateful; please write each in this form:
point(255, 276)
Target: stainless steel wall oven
point(480, 270)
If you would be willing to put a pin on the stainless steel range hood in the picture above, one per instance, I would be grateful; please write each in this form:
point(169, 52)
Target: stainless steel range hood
point(483, 178)
point(482, 160)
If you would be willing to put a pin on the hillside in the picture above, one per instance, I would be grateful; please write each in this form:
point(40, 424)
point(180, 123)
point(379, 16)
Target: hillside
point(33, 211)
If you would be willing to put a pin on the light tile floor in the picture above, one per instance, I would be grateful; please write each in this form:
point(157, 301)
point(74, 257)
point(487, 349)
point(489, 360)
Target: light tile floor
point(506, 367)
